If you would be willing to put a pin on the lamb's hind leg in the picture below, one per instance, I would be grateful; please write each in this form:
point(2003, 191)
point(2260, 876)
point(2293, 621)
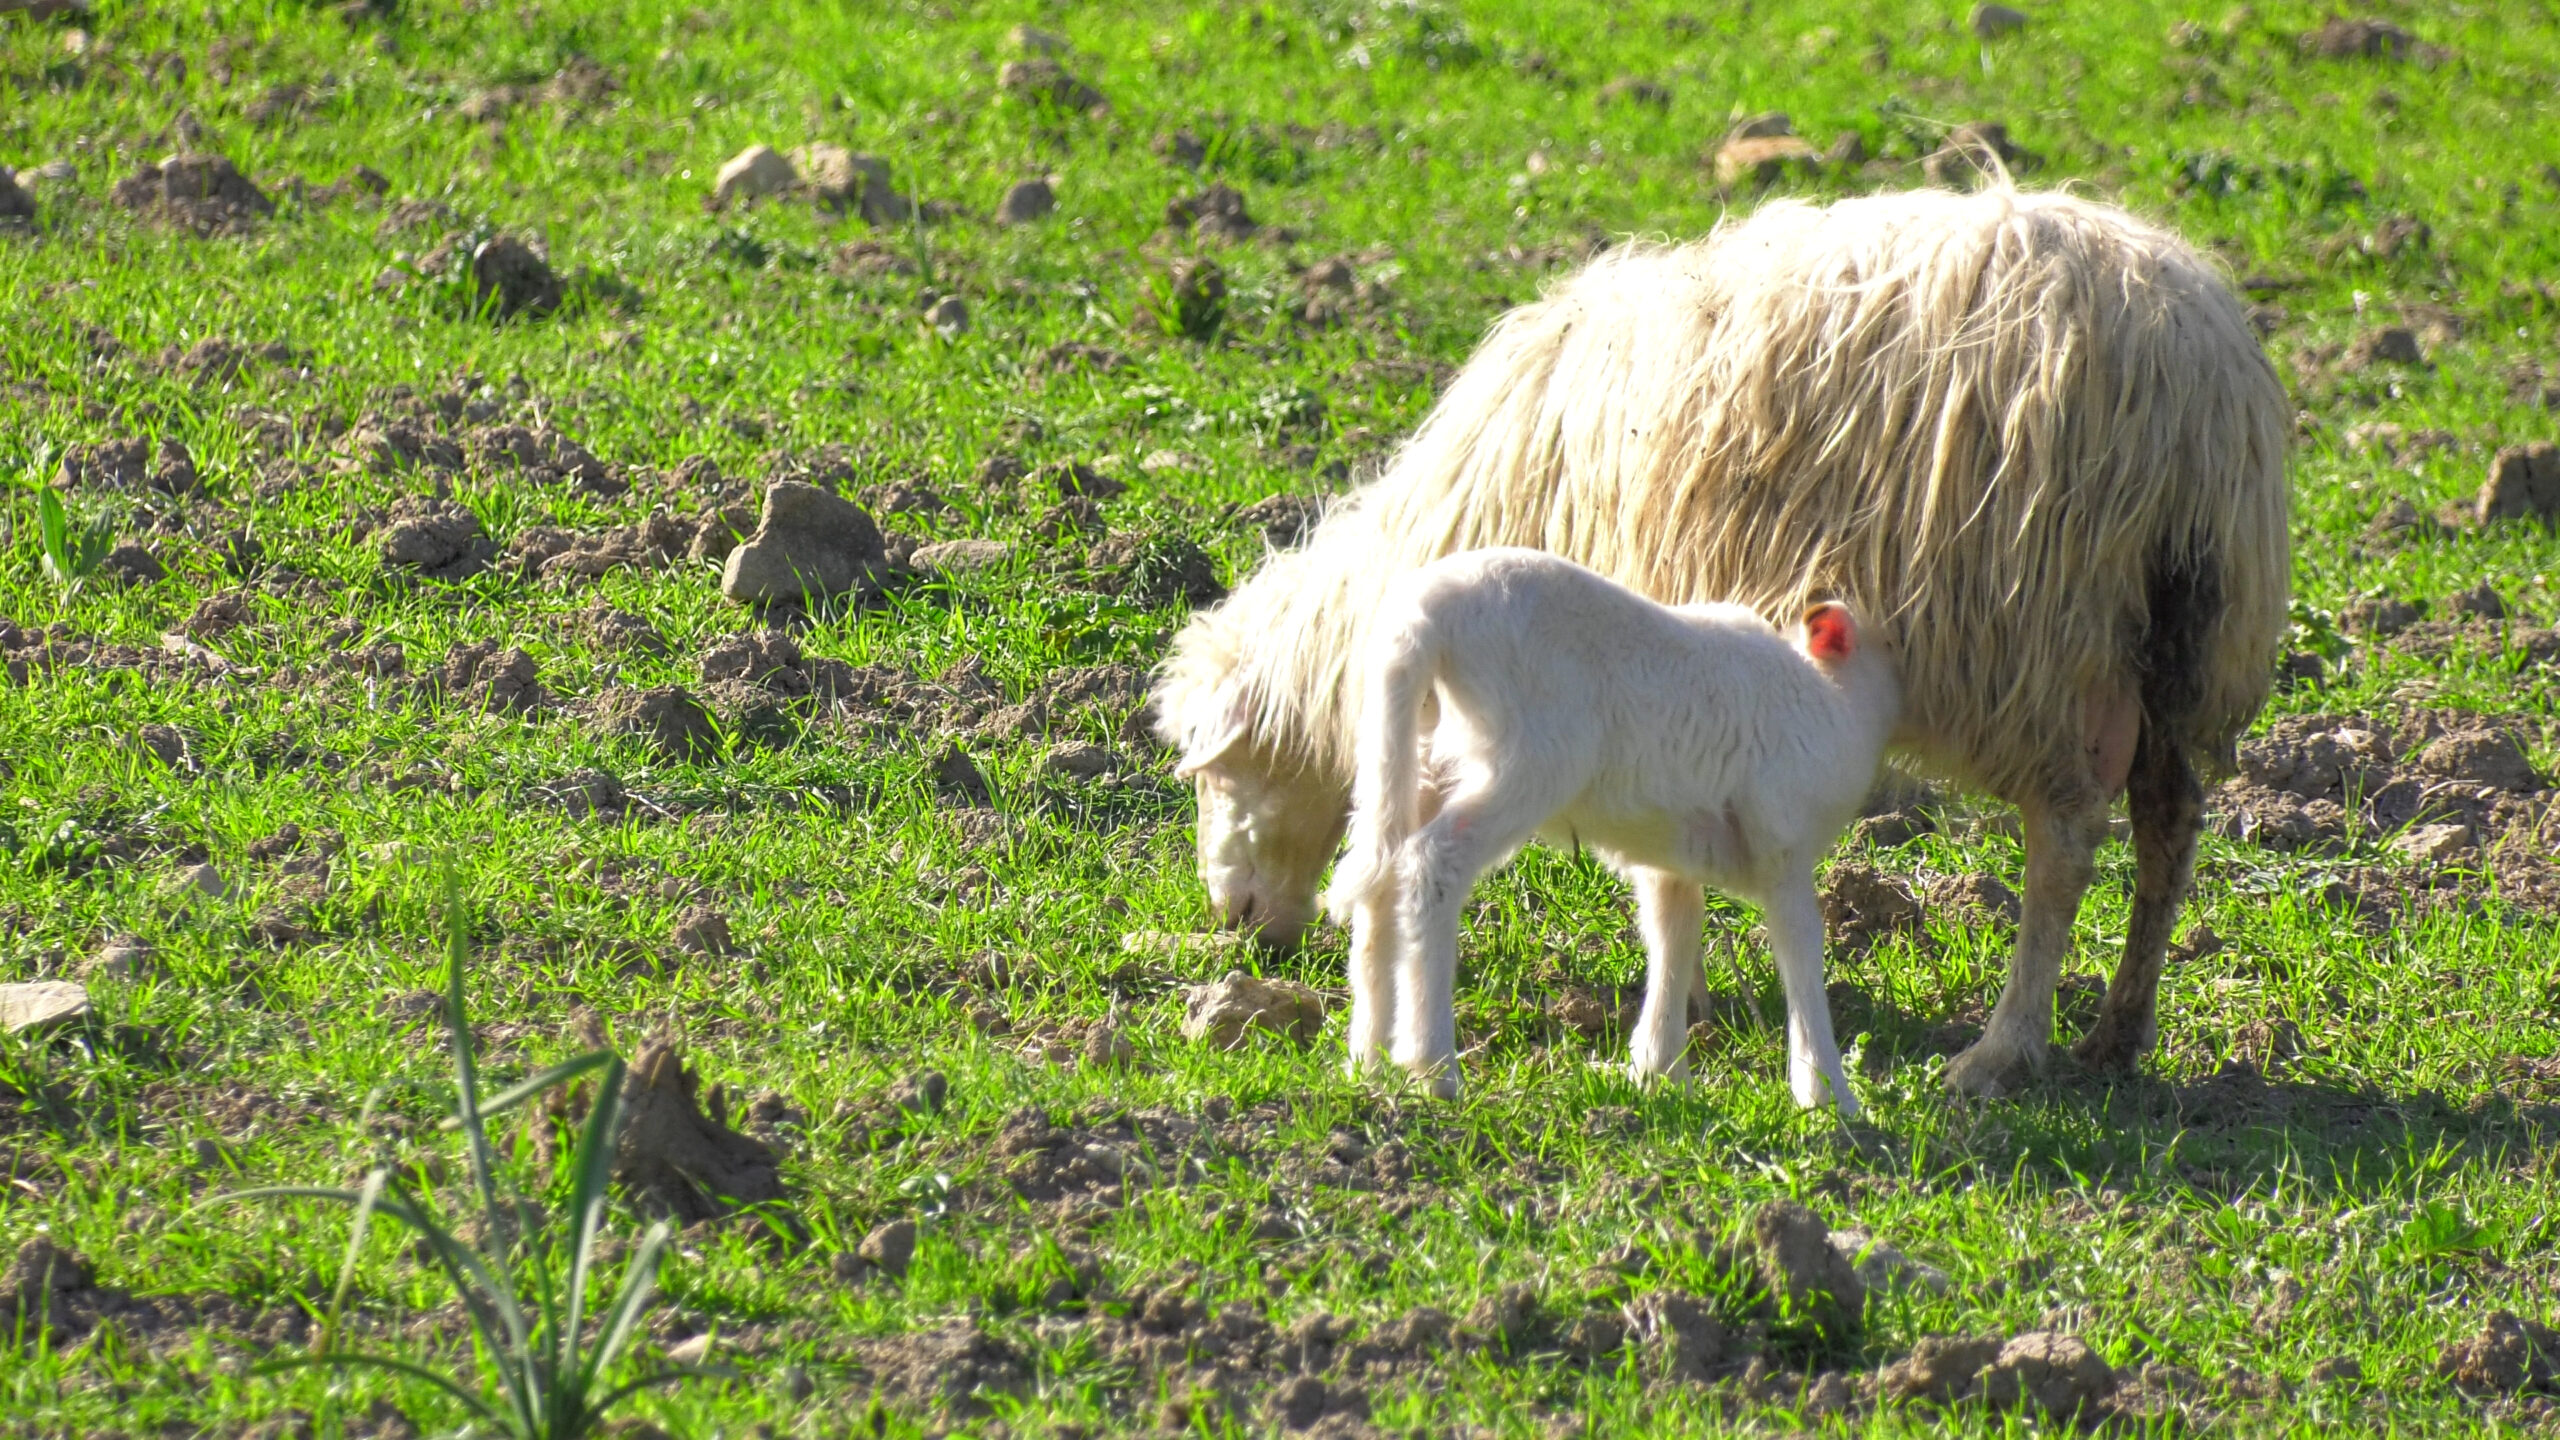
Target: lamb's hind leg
point(1672, 914)
point(2062, 844)
point(1813, 1053)
point(2167, 808)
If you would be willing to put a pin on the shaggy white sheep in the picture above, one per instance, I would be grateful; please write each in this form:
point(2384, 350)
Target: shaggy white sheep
point(2031, 438)
point(1682, 745)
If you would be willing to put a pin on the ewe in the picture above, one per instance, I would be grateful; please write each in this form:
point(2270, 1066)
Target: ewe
point(2029, 437)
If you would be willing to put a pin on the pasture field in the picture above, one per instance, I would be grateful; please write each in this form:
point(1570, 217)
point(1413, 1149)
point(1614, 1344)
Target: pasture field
point(903, 877)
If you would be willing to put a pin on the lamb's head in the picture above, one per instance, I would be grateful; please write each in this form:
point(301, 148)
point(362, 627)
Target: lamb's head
point(1266, 825)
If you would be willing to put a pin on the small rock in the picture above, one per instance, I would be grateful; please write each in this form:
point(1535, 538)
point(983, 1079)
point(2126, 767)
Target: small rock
point(1042, 80)
point(922, 1093)
point(2509, 1356)
point(1107, 1049)
point(1224, 1011)
point(2523, 484)
point(2380, 616)
point(1027, 202)
point(961, 557)
point(514, 275)
point(121, 960)
point(703, 930)
point(2433, 844)
point(17, 207)
point(132, 564)
point(809, 544)
point(855, 183)
point(1992, 21)
point(2057, 1375)
point(1763, 160)
point(2482, 600)
point(949, 317)
point(2391, 345)
point(34, 1006)
point(756, 171)
point(197, 882)
point(891, 1247)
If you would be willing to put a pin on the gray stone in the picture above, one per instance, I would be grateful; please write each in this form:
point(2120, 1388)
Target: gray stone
point(809, 545)
point(949, 316)
point(961, 557)
point(35, 1005)
point(1224, 1011)
point(2523, 484)
point(122, 959)
point(1026, 202)
point(891, 1247)
point(1993, 21)
point(756, 171)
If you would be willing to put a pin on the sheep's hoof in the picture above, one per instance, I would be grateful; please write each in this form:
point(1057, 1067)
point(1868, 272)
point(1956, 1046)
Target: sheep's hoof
point(2112, 1047)
point(1988, 1070)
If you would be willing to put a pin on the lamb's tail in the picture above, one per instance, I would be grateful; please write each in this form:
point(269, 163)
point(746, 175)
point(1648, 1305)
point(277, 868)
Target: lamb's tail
point(1401, 663)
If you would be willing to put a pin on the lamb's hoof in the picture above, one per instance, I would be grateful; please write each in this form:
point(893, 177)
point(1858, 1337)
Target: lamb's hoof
point(1987, 1073)
point(2112, 1049)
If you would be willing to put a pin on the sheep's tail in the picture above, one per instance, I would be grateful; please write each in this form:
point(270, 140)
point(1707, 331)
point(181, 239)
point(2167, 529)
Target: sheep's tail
point(1403, 661)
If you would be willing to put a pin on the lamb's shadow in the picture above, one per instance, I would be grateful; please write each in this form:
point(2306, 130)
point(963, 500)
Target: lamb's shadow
point(2262, 1116)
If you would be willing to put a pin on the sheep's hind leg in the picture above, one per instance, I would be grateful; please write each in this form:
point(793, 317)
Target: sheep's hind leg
point(2062, 845)
point(1672, 914)
point(1813, 1052)
point(2167, 807)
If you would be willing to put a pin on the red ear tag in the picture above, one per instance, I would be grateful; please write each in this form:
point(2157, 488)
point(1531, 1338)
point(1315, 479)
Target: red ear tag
point(1828, 635)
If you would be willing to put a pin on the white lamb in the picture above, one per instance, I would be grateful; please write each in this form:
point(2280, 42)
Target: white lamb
point(1685, 745)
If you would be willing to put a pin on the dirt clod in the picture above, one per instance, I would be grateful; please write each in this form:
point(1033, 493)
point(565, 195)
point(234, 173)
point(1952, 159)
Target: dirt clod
point(1989, 22)
point(752, 173)
point(1684, 1338)
point(1812, 1283)
point(2510, 1356)
point(1043, 81)
point(922, 1093)
point(2056, 1375)
point(1190, 298)
point(852, 183)
point(1861, 904)
point(439, 539)
point(890, 1248)
point(1941, 1369)
point(130, 563)
point(666, 718)
point(484, 677)
point(703, 930)
point(2523, 484)
point(677, 1160)
point(205, 193)
point(961, 557)
point(1224, 1012)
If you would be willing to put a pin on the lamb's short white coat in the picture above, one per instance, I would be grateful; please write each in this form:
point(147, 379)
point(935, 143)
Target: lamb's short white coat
point(1509, 693)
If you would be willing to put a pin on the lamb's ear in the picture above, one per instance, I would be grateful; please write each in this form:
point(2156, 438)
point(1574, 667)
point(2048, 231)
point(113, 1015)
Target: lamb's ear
point(1830, 632)
point(1209, 744)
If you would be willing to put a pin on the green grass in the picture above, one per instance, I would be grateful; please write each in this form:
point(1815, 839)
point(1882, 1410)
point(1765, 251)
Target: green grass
point(2379, 1196)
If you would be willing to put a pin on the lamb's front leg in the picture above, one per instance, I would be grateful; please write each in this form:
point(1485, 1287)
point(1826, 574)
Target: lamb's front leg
point(1671, 912)
point(1813, 1055)
point(1374, 942)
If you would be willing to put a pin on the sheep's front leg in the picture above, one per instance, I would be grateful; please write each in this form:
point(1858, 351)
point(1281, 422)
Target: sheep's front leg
point(1813, 1055)
point(1671, 912)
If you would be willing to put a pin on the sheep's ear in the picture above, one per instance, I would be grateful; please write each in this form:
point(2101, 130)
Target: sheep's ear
point(1830, 634)
point(1209, 744)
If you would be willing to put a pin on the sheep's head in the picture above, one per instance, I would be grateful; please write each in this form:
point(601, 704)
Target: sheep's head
point(1265, 828)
